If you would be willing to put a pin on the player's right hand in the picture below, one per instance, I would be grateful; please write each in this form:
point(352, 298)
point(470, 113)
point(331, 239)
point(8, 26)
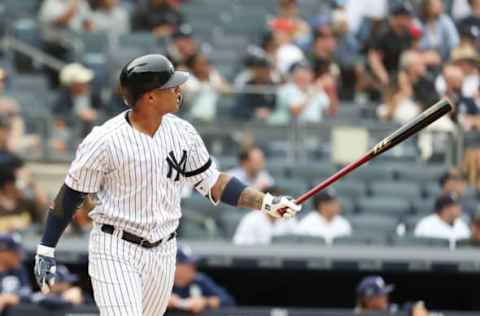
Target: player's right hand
point(45, 268)
point(280, 206)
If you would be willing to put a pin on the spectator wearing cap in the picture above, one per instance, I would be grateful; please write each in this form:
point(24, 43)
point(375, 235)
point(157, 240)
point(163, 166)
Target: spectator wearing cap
point(203, 88)
point(466, 57)
point(182, 46)
point(251, 169)
point(110, 16)
point(161, 17)
point(455, 182)
point(14, 285)
point(386, 47)
point(77, 101)
point(258, 228)
point(193, 291)
point(63, 293)
point(439, 31)
point(373, 296)
point(325, 220)
point(301, 99)
point(446, 222)
point(260, 101)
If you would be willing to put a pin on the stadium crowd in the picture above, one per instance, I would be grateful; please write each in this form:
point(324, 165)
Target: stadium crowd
point(399, 56)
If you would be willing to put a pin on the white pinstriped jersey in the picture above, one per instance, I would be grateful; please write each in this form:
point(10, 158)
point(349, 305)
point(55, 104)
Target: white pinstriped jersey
point(137, 178)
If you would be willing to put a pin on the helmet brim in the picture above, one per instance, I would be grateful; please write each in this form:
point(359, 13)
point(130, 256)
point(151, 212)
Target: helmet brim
point(178, 78)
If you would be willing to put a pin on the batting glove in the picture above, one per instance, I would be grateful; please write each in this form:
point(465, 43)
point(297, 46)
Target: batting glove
point(280, 206)
point(45, 267)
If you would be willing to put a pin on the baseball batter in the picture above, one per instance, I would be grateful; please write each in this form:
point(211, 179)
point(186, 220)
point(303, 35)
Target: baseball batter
point(136, 165)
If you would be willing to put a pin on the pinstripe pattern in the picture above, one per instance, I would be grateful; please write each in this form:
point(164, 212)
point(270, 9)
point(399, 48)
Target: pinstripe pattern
point(129, 173)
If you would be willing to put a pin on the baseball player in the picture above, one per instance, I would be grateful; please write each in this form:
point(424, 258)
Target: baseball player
point(136, 165)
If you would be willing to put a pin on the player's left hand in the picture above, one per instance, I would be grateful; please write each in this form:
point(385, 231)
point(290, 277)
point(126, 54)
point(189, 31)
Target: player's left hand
point(44, 270)
point(280, 206)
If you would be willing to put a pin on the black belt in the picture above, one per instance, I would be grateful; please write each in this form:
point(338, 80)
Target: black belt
point(109, 229)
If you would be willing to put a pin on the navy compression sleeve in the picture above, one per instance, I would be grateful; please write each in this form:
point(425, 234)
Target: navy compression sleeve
point(58, 218)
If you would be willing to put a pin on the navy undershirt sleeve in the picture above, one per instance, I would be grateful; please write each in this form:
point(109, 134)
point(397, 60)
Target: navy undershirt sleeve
point(58, 218)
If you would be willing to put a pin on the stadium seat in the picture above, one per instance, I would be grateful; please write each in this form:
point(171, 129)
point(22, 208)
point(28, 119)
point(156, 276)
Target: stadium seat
point(229, 221)
point(313, 171)
point(200, 204)
point(420, 172)
point(92, 42)
point(28, 82)
point(388, 206)
point(423, 206)
point(352, 189)
point(364, 224)
point(348, 205)
point(277, 168)
point(140, 40)
point(293, 187)
point(372, 172)
point(22, 8)
point(432, 189)
point(363, 238)
point(406, 190)
point(196, 227)
point(412, 241)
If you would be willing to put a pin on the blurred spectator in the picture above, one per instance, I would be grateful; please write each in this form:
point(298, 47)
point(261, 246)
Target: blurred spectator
point(287, 53)
point(399, 106)
point(288, 13)
point(193, 291)
point(386, 47)
point(360, 11)
point(14, 286)
point(419, 81)
point(10, 111)
point(270, 44)
point(454, 182)
point(446, 222)
point(17, 210)
point(258, 228)
point(373, 297)
point(466, 58)
point(475, 228)
point(325, 221)
point(260, 102)
point(252, 169)
point(58, 19)
point(161, 17)
point(62, 293)
point(326, 71)
point(182, 46)
point(76, 101)
point(301, 99)
point(439, 31)
point(112, 17)
point(347, 56)
point(203, 88)
point(472, 21)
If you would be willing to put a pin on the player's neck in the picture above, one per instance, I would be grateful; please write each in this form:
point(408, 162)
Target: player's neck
point(145, 122)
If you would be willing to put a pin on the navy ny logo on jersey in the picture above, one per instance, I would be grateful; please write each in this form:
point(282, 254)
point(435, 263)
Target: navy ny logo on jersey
point(178, 166)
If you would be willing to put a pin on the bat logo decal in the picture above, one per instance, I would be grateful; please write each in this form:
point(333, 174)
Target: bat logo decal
point(382, 146)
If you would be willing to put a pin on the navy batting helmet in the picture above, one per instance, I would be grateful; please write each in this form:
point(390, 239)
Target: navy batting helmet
point(146, 73)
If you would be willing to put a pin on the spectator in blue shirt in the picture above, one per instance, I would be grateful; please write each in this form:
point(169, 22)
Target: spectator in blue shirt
point(63, 294)
point(14, 286)
point(194, 291)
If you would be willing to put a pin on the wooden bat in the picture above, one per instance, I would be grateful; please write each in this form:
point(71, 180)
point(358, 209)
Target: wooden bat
point(424, 119)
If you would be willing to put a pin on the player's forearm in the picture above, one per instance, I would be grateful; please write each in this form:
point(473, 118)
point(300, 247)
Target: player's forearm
point(231, 191)
point(60, 215)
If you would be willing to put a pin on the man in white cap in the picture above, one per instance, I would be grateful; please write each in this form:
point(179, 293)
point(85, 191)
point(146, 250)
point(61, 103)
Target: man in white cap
point(77, 102)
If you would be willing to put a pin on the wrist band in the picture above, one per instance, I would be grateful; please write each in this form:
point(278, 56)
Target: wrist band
point(232, 191)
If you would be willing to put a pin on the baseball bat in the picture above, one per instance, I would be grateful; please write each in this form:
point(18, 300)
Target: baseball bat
point(410, 128)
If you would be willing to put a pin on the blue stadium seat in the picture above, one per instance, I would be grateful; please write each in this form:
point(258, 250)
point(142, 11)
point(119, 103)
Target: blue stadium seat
point(93, 42)
point(200, 204)
point(22, 8)
point(412, 241)
point(424, 206)
point(406, 190)
point(312, 172)
point(350, 188)
point(372, 172)
point(140, 40)
point(388, 206)
point(29, 82)
point(229, 221)
point(293, 187)
point(420, 172)
point(373, 223)
point(27, 30)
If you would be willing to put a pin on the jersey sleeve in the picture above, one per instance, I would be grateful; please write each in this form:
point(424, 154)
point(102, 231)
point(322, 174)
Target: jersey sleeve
point(201, 170)
point(89, 167)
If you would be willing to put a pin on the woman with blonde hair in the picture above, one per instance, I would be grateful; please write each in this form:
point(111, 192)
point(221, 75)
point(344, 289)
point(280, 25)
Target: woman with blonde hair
point(471, 166)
